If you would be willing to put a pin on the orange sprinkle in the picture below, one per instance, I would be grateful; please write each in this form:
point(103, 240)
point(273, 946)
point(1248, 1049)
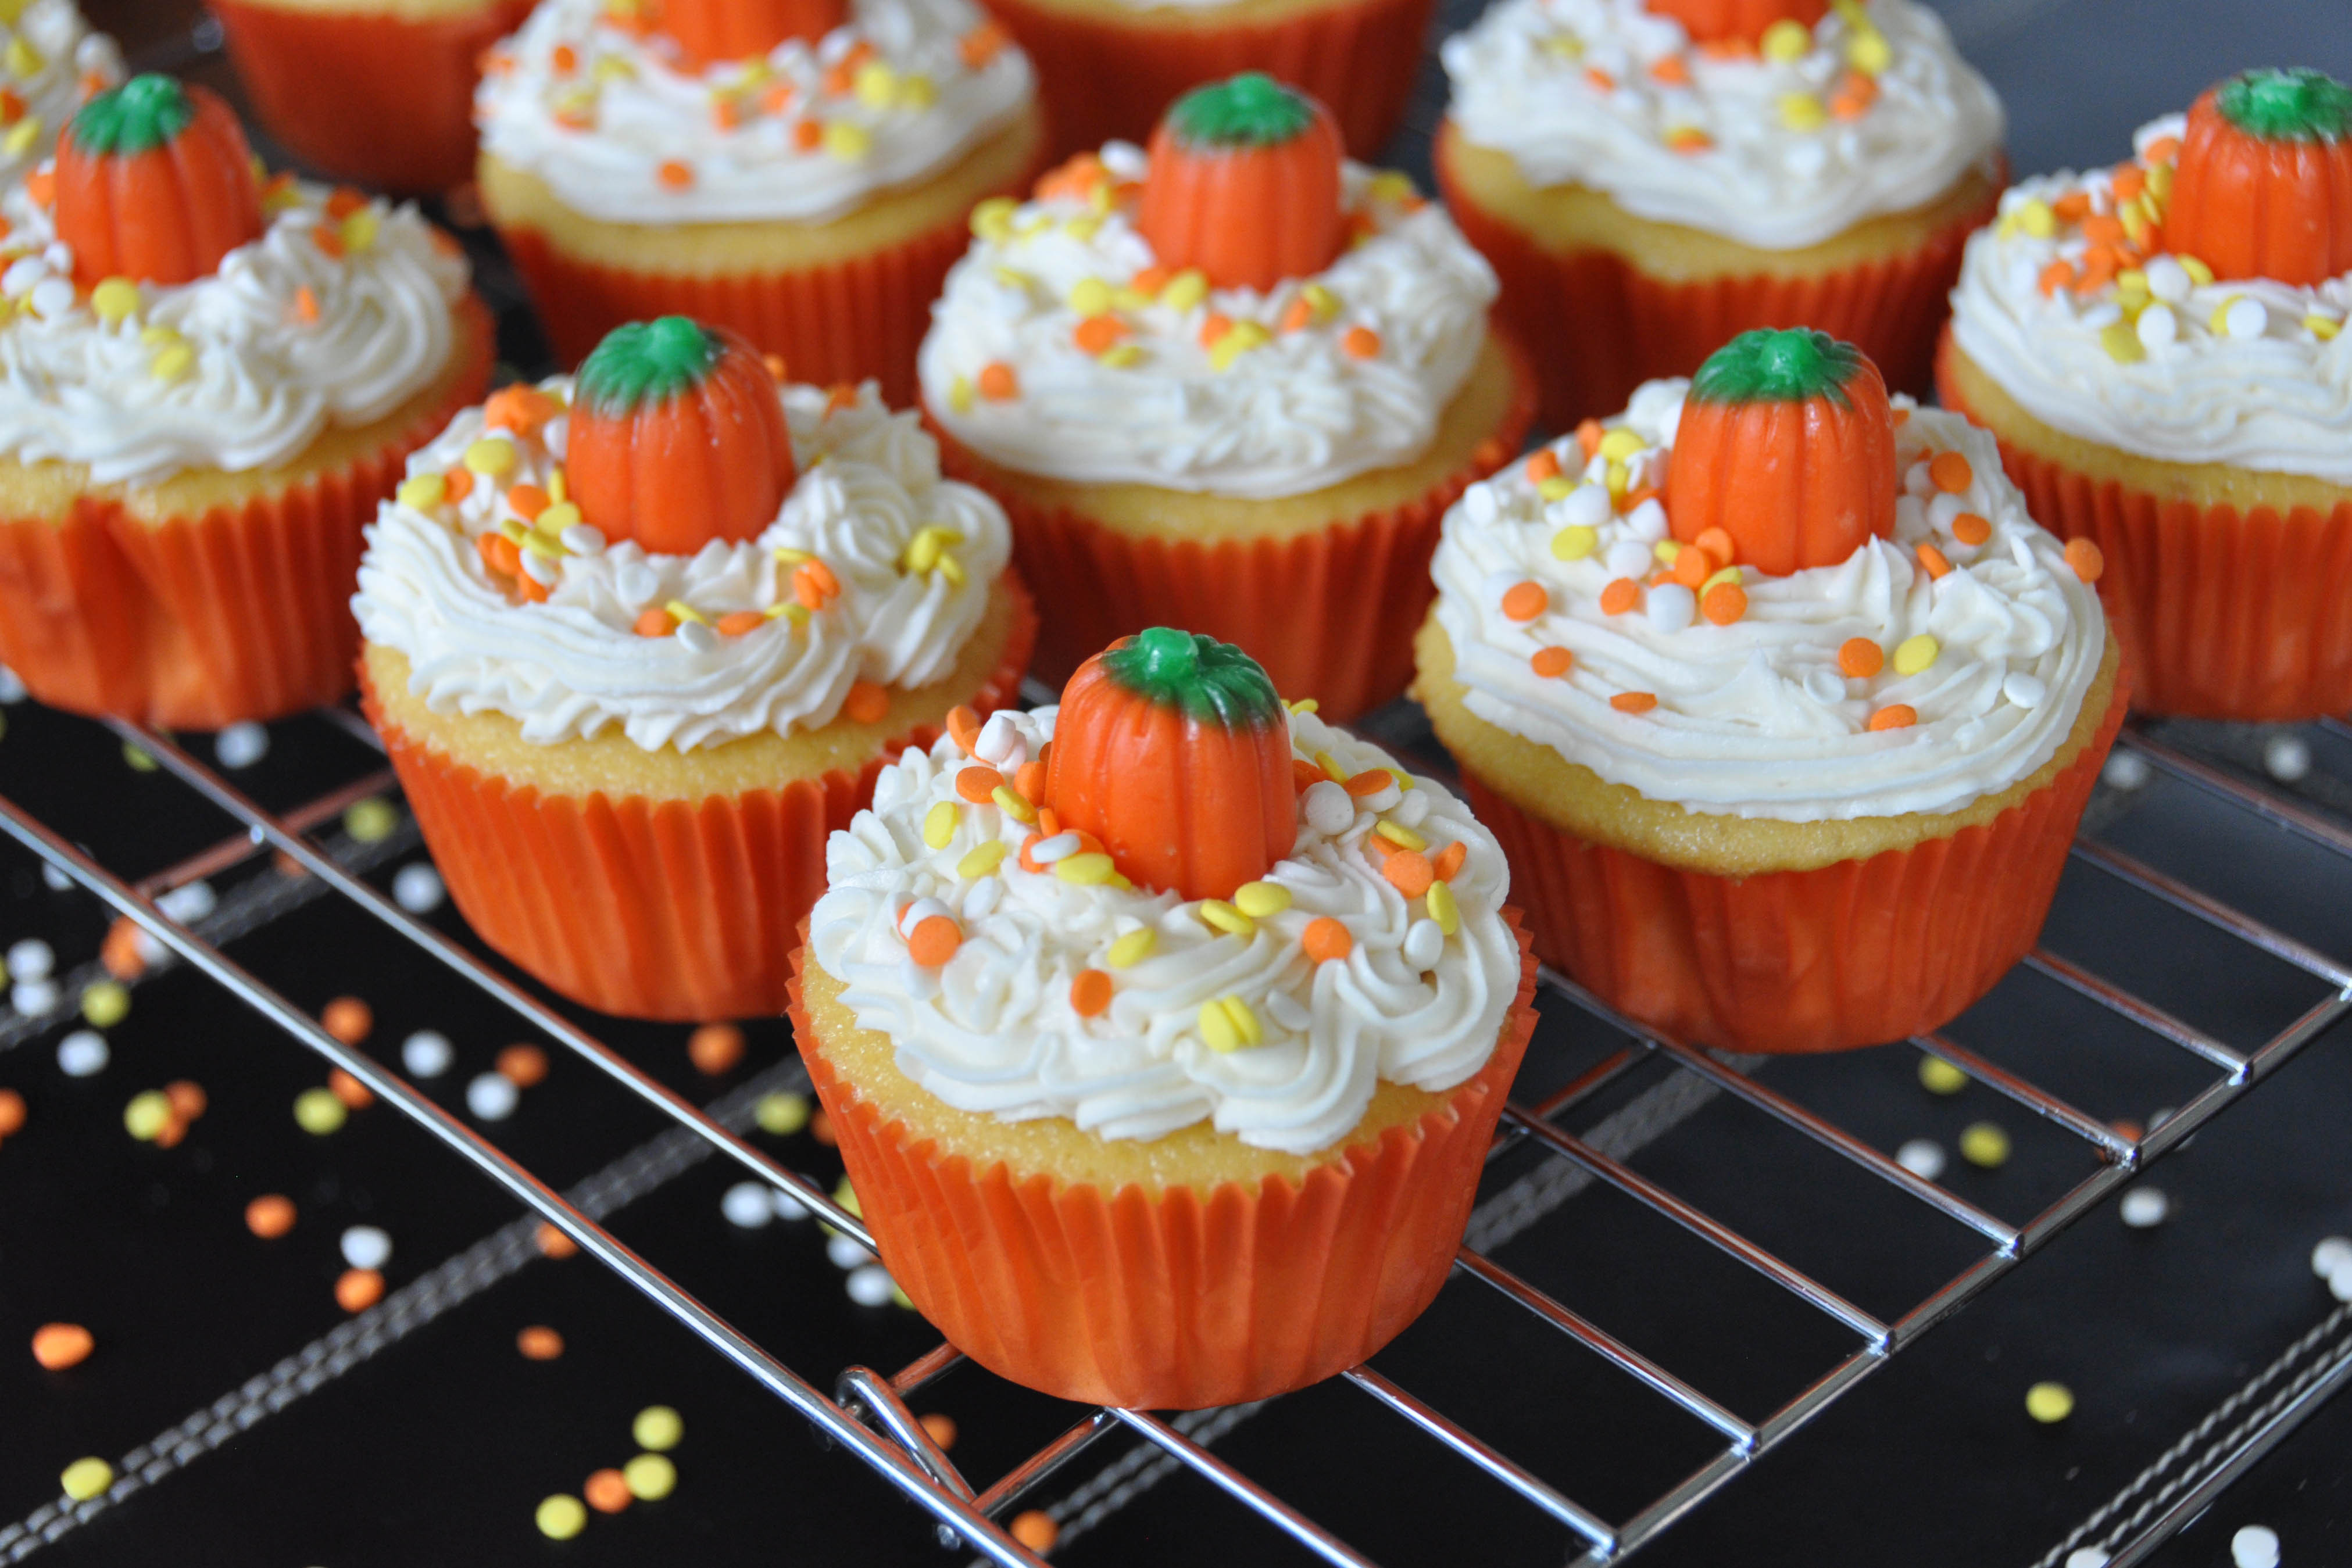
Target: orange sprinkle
point(1089, 993)
point(935, 940)
point(1672, 69)
point(868, 703)
point(1097, 333)
point(119, 954)
point(522, 1065)
point(738, 622)
point(456, 484)
point(1859, 658)
point(653, 623)
point(2071, 207)
point(1543, 465)
point(1693, 566)
point(553, 1243)
point(997, 382)
point(12, 105)
point(1934, 561)
point(814, 583)
point(358, 1289)
point(187, 1098)
point(1620, 596)
point(2129, 182)
point(1151, 280)
point(963, 727)
point(777, 99)
point(2100, 264)
point(982, 45)
point(1633, 702)
point(1029, 780)
point(607, 1490)
point(348, 1018)
point(329, 242)
point(841, 395)
point(726, 114)
point(941, 1428)
point(1894, 716)
point(1689, 139)
point(1971, 530)
point(1449, 861)
point(169, 1134)
point(540, 1343)
point(2163, 150)
point(1036, 1530)
point(306, 305)
point(270, 1216)
point(1902, 416)
point(1360, 343)
point(1552, 661)
point(1588, 438)
point(2089, 562)
point(979, 783)
point(808, 135)
point(1214, 326)
point(2103, 228)
point(1951, 473)
point(343, 201)
point(1409, 871)
point(1299, 316)
point(528, 501)
point(1370, 781)
point(1526, 600)
point(1304, 775)
point(519, 408)
point(1718, 543)
point(1380, 848)
point(1028, 862)
point(12, 1112)
point(564, 58)
point(1599, 79)
point(500, 554)
point(1325, 939)
point(59, 1346)
point(715, 1048)
point(1724, 603)
point(354, 1094)
point(41, 185)
point(675, 176)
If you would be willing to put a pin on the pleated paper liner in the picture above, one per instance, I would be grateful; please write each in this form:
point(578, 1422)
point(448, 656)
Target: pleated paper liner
point(1854, 954)
point(1105, 75)
point(672, 909)
point(1603, 327)
point(1330, 614)
point(193, 623)
point(377, 96)
point(2222, 613)
point(1185, 1298)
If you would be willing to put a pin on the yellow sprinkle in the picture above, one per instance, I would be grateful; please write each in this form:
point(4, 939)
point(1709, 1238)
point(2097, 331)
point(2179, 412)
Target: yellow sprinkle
point(1575, 542)
point(2037, 220)
point(318, 1112)
point(922, 552)
point(651, 1477)
point(175, 361)
point(114, 299)
point(2160, 181)
point(85, 1478)
point(556, 517)
point(1217, 1030)
point(798, 615)
point(1239, 340)
point(1397, 833)
point(939, 824)
point(791, 556)
point(1558, 487)
point(1013, 804)
point(781, 1113)
point(1983, 1144)
point(1118, 356)
point(1132, 948)
point(22, 136)
point(681, 611)
point(613, 67)
point(847, 143)
point(1089, 297)
point(2321, 327)
point(562, 1516)
point(1867, 52)
point(2123, 345)
point(847, 1197)
point(1730, 574)
point(1237, 1012)
point(1621, 479)
point(1330, 766)
point(1940, 1077)
point(147, 1114)
point(2134, 223)
point(372, 821)
point(1304, 704)
point(1261, 900)
point(1186, 289)
point(2049, 1401)
point(952, 570)
point(1620, 444)
point(105, 1003)
point(876, 85)
point(421, 490)
point(360, 228)
point(1216, 912)
point(1403, 780)
point(1088, 869)
point(152, 336)
point(542, 546)
point(491, 458)
point(1442, 908)
point(2131, 284)
point(981, 860)
point(1786, 40)
point(1390, 185)
point(1566, 46)
point(1667, 549)
point(1914, 654)
point(1325, 303)
point(1127, 298)
point(993, 219)
point(136, 759)
point(2199, 273)
point(1802, 112)
point(24, 61)
point(1083, 229)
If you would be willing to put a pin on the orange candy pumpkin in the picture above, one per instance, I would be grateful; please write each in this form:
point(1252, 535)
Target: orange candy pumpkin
point(1720, 21)
point(2264, 184)
point(1243, 183)
point(677, 438)
point(1786, 444)
point(714, 30)
point(154, 183)
point(1173, 751)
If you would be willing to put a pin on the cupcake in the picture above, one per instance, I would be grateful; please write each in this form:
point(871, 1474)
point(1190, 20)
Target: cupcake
point(206, 383)
point(2159, 347)
point(381, 91)
point(1230, 384)
point(637, 642)
point(1164, 1032)
point(50, 64)
point(1650, 179)
point(796, 170)
point(1781, 703)
point(1107, 69)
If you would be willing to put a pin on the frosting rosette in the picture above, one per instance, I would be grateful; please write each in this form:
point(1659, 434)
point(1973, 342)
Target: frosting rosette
point(50, 61)
point(622, 126)
point(1272, 1015)
point(1781, 144)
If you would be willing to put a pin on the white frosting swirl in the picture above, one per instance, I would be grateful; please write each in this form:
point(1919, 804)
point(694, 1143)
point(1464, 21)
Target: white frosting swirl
point(1779, 153)
point(994, 1031)
point(49, 61)
point(621, 129)
point(573, 665)
point(2254, 373)
point(240, 369)
point(1754, 718)
point(1327, 377)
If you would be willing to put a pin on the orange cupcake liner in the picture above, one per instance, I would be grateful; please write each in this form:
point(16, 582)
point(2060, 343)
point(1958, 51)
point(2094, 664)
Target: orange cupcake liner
point(1191, 1298)
point(1854, 954)
point(2222, 613)
point(1331, 615)
point(655, 909)
point(1606, 327)
point(193, 623)
point(373, 97)
point(1103, 76)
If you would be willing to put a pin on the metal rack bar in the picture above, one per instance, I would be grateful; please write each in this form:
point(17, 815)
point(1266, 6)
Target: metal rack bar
point(1484, 1456)
point(2213, 912)
point(1239, 1487)
point(1041, 1464)
point(2270, 808)
point(861, 1389)
point(238, 848)
point(2146, 1014)
point(2035, 1098)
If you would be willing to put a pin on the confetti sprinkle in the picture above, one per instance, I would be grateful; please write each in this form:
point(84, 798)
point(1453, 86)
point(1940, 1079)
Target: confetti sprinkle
point(747, 1204)
point(319, 1112)
point(540, 1343)
point(270, 1216)
point(372, 821)
point(348, 1018)
point(241, 745)
point(1940, 1077)
point(2048, 1403)
point(524, 1066)
point(1923, 1157)
point(357, 1290)
point(607, 1490)
point(58, 1346)
point(417, 888)
point(1036, 1530)
point(716, 1047)
point(651, 1477)
point(657, 1427)
point(492, 1097)
point(428, 1053)
point(561, 1517)
point(2144, 1208)
point(2254, 1546)
point(781, 1114)
point(85, 1478)
point(1985, 1145)
point(366, 1247)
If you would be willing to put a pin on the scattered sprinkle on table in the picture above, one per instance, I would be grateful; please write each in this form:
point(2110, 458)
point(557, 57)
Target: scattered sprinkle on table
point(417, 888)
point(747, 1204)
point(540, 1343)
point(523, 1066)
point(715, 1048)
point(241, 745)
point(2145, 1208)
point(651, 1477)
point(105, 1003)
point(553, 1243)
point(348, 1018)
point(2086, 1557)
point(366, 1247)
point(2254, 1546)
point(561, 1517)
point(58, 1346)
point(492, 1097)
point(1036, 1530)
point(1940, 1077)
point(354, 1094)
point(1984, 1144)
point(319, 1112)
point(83, 1054)
point(270, 1216)
point(2286, 757)
point(2125, 770)
point(781, 1113)
point(2048, 1403)
point(357, 1290)
point(608, 1491)
point(370, 820)
point(85, 1478)
point(426, 1053)
point(1923, 1157)
point(657, 1427)
point(942, 1429)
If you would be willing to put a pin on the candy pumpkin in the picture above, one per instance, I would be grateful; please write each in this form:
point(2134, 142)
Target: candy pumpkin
point(1243, 183)
point(154, 183)
point(713, 30)
point(2264, 183)
point(677, 437)
point(1786, 444)
point(1721, 21)
point(1173, 751)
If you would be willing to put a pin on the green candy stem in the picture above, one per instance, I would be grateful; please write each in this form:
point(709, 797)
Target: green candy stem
point(1777, 366)
point(2288, 106)
point(1209, 680)
point(142, 114)
point(646, 363)
point(1251, 109)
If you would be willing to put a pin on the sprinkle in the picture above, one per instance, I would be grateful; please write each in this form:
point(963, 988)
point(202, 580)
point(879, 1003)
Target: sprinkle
point(1859, 658)
point(867, 702)
point(1326, 939)
point(981, 860)
point(1894, 716)
point(934, 940)
point(421, 491)
point(319, 1112)
point(653, 623)
point(997, 382)
point(1224, 917)
point(978, 784)
point(491, 459)
point(1802, 112)
point(1035, 1529)
point(607, 1490)
point(2122, 341)
point(1724, 603)
point(1090, 993)
point(1551, 661)
point(1409, 871)
point(1934, 561)
point(58, 1346)
point(348, 1018)
point(2089, 562)
point(1867, 51)
point(1620, 444)
point(1370, 782)
point(1984, 1144)
point(1132, 948)
point(1620, 596)
point(350, 1091)
point(87, 1479)
point(1914, 654)
point(2048, 1403)
point(651, 1477)
point(1360, 343)
point(1633, 702)
point(781, 1113)
point(1397, 833)
point(147, 1115)
point(561, 1517)
point(1442, 908)
point(1187, 289)
point(1526, 600)
point(2058, 274)
point(656, 1427)
point(963, 727)
point(1951, 473)
point(1971, 529)
point(540, 1343)
point(1261, 900)
point(1029, 780)
point(1088, 869)
point(1228, 1024)
point(175, 361)
point(1940, 1077)
point(357, 1290)
point(114, 299)
point(1688, 139)
point(939, 825)
point(1786, 40)
point(713, 1048)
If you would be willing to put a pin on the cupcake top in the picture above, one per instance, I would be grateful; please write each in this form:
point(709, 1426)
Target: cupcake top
point(50, 62)
point(1024, 966)
point(584, 553)
point(1771, 593)
point(1779, 138)
point(168, 313)
point(640, 125)
point(2144, 307)
point(1240, 312)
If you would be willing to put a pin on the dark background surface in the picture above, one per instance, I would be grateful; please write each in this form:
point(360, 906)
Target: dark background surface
point(434, 1446)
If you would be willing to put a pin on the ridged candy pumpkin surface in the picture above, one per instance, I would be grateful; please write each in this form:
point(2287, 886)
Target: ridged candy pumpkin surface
point(155, 183)
point(677, 438)
point(2263, 188)
point(714, 30)
point(1786, 444)
point(1719, 21)
point(1243, 183)
point(1174, 751)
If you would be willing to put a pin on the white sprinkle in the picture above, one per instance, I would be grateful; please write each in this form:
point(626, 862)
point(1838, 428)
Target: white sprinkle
point(12, 687)
point(1061, 846)
point(747, 1204)
point(2102, 315)
point(52, 297)
point(637, 583)
point(1672, 607)
point(870, 1286)
point(1923, 1157)
point(57, 880)
point(2168, 279)
point(846, 1253)
point(981, 901)
point(492, 1097)
point(1825, 685)
point(2285, 756)
point(2024, 690)
point(1944, 511)
point(2330, 1255)
point(2245, 318)
point(582, 538)
point(541, 570)
point(426, 1053)
point(417, 888)
point(241, 745)
point(2339, 1283)
point(786, 1205)
point(366, 1247)
point(2125, 770)
point(21, 274)
point(1629, 557)
point(1478, 503)
point(31, 997)
point(1587, 505)
point(82, 1054)
point(2086, 1557)
point(2145, 1208)
point(1386, 798)
point(31, 959)
point(1919, 480)
point(1289, 1011)
point(2256, 1546)
point(1647, 521)
point(998, 744)
point(1328, 809)
point(922, 909)
point(694, 637)
point(2158, 327)
point(1424, 943)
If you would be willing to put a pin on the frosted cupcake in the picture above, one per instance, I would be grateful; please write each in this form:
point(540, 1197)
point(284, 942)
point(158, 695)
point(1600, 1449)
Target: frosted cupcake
point(50, 64)
point(1230, 384)
point(206, 383)
point(1164, 1032)
point(1781, 705)
point(637, 642)
point(799, 172)
point(2158, 346)
point(1650, 179)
